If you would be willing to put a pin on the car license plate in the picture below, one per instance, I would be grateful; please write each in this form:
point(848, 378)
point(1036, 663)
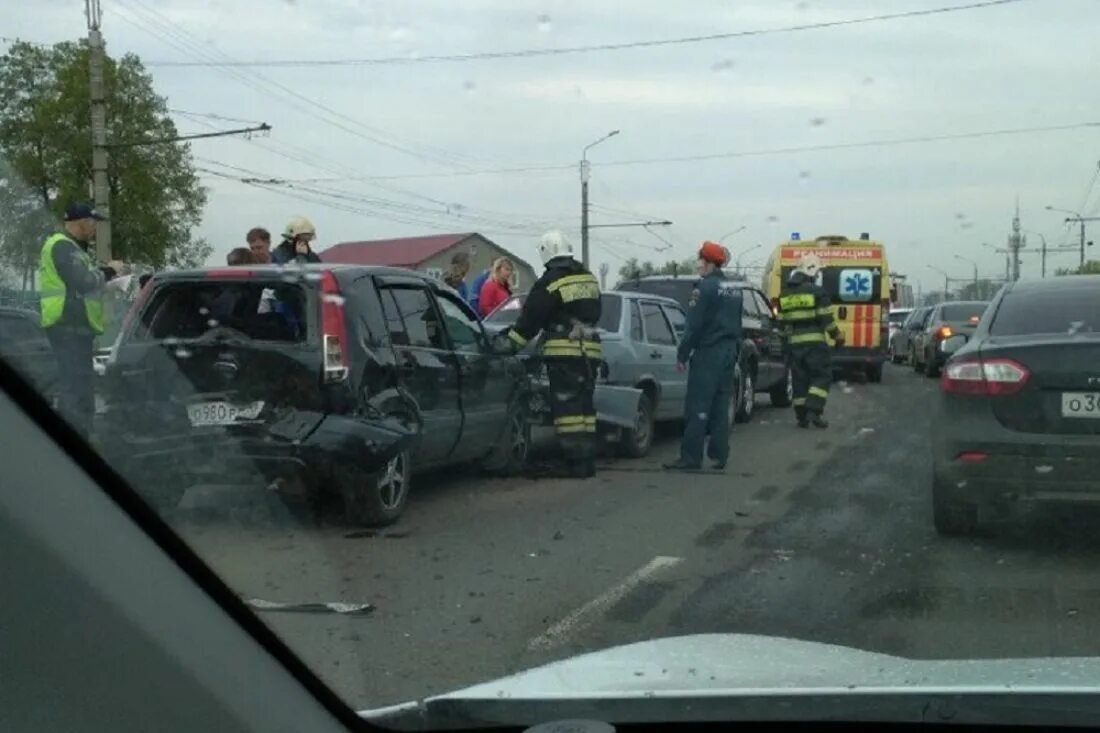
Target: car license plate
point(1081, 404)
point(222, 413)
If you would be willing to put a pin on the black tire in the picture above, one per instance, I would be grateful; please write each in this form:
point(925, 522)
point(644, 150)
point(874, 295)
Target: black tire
point(636, 442)
point(874, 373)
point(952, 518)
point(918, 366)
point(932, 369)
point(746, 397)
point(782, 392)
point(378, 499)
point(510, 455)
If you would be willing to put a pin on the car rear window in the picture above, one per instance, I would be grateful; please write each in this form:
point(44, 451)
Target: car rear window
point(263, 311)
point(611, 312)
point(1054, 311)
point(898, 317)
point(679, 290)
point(962, 312)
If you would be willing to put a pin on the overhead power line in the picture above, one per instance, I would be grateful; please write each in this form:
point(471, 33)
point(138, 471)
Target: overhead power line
point(793, 150)
point(533, 52)
point(262, 127)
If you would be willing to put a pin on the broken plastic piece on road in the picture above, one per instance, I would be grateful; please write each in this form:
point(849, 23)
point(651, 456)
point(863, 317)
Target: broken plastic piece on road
point(347, 609)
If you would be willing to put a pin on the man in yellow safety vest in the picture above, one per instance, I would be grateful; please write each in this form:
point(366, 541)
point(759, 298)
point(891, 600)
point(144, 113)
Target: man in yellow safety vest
point(69, 285)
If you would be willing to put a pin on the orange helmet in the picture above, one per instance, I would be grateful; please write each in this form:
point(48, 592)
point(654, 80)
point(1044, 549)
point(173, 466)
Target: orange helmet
point(713, 252)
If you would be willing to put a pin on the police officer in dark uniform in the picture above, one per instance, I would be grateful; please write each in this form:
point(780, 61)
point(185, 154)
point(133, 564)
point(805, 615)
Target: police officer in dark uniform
point(565, 304)
point(805, 311)
point(711, 343)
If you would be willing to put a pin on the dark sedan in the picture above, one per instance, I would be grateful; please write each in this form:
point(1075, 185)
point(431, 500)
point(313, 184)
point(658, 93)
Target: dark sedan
point(947, 320)
point(1019, 414)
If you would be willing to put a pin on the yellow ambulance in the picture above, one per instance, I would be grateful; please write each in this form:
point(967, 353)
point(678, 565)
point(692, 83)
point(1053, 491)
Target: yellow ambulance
point(857, 279)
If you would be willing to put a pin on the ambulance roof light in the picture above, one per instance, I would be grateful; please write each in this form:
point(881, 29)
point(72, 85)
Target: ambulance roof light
point(796, 237)
point(865, 236)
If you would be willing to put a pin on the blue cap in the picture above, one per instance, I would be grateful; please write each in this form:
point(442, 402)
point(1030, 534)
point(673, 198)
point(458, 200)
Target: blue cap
point(82, 210)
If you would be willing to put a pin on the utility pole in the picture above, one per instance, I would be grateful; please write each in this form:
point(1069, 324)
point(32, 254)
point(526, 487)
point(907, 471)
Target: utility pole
point(100, 185)
point(1016, 242)
point(584, 194)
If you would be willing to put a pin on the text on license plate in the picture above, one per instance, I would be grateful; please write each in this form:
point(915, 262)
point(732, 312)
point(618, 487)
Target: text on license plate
point(1081, 404)
point(222, 413)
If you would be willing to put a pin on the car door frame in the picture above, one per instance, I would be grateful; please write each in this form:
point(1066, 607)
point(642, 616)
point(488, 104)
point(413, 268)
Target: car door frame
point(677, 391)
point(441, 428)
point(662, 357)
point(924, 334)
point(482, 376)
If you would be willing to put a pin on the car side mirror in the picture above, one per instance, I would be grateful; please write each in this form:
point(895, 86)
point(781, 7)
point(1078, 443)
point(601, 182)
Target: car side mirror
point(953, 344)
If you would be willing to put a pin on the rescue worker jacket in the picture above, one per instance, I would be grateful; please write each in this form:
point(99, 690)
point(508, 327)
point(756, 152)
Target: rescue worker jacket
point(565, 304)
point(805, 311)
point(713, 318)
point(287, 253)
point(68, 285)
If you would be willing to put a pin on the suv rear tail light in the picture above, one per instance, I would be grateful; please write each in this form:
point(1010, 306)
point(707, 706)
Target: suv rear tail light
point(984, 377)
point(335, 330)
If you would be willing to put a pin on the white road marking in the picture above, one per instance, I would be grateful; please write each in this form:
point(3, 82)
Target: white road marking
point(582, 617)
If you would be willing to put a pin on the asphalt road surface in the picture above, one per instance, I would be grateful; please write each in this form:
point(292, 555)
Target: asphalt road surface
point(815, 535)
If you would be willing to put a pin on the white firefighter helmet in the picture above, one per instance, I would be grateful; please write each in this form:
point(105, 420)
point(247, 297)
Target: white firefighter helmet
point(809, 264)
point(554, 244)
point(297, 226)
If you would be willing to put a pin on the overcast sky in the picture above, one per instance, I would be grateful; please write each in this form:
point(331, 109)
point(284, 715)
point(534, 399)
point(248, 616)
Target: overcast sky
point(1026, 64)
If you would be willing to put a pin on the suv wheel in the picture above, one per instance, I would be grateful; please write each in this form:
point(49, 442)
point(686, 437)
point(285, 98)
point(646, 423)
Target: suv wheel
point(782, 392)
point(382, 498)
point(746, 399)
point(510, 455)
point(636, 441)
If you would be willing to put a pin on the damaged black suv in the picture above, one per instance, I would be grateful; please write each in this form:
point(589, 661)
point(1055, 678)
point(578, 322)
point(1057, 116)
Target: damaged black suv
point(339, 380)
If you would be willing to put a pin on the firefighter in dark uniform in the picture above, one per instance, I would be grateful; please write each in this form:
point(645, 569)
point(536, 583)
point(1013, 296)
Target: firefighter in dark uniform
point(805, 311)
point(711, 343)
point(564, 304)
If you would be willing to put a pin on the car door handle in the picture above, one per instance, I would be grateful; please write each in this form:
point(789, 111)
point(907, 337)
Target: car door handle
point(655, 355)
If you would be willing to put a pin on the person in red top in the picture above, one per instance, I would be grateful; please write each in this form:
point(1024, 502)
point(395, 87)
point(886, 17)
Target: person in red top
point(498, 288)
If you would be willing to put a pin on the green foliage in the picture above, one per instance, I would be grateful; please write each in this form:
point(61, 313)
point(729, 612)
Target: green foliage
point(633, 269)
point(45, 136)
point(1091, 267)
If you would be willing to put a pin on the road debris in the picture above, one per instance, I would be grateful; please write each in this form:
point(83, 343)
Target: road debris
point(347, 609)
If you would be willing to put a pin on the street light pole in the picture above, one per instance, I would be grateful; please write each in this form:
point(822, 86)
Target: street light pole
point(722, 239)
point(1080, 219)
point(584, 194)
point(975, 264)
point(1043, 250)
point(737, 262)
point(946, 281)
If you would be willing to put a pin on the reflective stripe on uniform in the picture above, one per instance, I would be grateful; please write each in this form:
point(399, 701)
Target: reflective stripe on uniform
point(576, 287)
point(797, 301)
point(575, 420)
point(805, 314)
point(515, 337)
point(569, 347)
point(826, 311)
point(53, 291)
point(807, 338)
point(799, 401)
point(819, 392)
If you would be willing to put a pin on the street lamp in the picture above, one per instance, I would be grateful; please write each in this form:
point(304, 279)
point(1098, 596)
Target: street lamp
point(967, 259)
point(584, 194)
point(722, 239)
point(737, 262)
point(1008, 275)
point(946, 281)
point(1043, 266)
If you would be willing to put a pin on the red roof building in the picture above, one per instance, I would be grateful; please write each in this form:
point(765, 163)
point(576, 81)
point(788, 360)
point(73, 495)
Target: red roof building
point(430, 254)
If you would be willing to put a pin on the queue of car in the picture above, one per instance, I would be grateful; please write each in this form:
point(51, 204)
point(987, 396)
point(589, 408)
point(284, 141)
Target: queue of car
point(1017, 423)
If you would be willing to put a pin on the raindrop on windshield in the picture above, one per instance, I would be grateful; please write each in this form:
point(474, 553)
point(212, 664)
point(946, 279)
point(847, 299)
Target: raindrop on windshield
point(182, 353)
point(212, 323)
point(723, 65)
point(817, 121)
point(204, 311)
point(544, 23)
point(773, 219)
point(803, 6)
point(469, 86)
point(868, 81)
point(804, 178)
